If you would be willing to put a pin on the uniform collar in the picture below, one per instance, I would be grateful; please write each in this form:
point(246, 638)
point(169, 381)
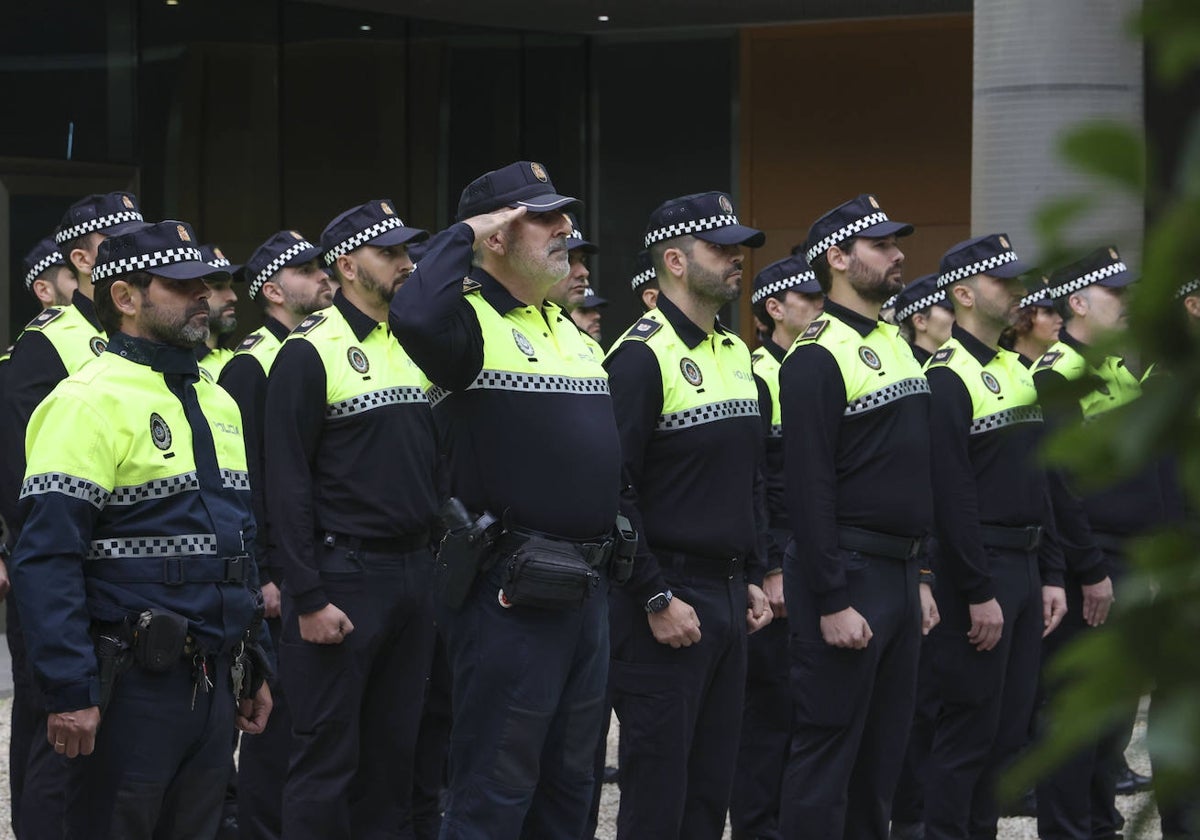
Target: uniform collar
point(920, 354)
point(361, 324)
point(494, 292)
point(159, 357)
point(861, 324)
point(275, 328)
point(687, 329)
point(1086, 350)
point(88, 309)
point(202, 352)
point(774, 349)
point(982, 353)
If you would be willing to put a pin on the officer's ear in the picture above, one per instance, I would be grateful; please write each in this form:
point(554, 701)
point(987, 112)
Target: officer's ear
point(650, 298)
point(346, 267)
point(675, 262)
point(43, 291)
point(82, 260)
point(272, 292)
point(1192, 304)
point(837, 258)
point(1078, 302)
point(774, 309)
point(963, 293)
point(124, 299)
point(920, 322)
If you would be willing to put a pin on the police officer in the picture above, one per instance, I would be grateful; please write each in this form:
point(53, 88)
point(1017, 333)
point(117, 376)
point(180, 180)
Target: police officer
point(1077, 799)
point(285, 278)
point(570, 292)
point(856, 440)
point(788, 297)
point(351, 460)
point(1037, 326)
point(1000, 590)
point(137, 610)
point(924, 316)
point(587, 315)
point(514, 381)
point(691, 437)
point(222, 314)
point(47, 276)
point(645, 282)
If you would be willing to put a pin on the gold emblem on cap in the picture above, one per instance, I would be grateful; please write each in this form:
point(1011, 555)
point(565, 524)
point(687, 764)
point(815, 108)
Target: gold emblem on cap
point(127, 201)
point(726, 204)
point(183, 234)
point(874, 203)
point(295, 234)
point(539, 172)
point(1112, 252)
point(217, 251)
point(1004, 243)
point(387, 208)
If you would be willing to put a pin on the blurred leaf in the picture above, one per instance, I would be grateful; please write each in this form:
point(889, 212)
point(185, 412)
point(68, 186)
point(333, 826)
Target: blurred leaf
point(1110, 150)
point(1174, 28)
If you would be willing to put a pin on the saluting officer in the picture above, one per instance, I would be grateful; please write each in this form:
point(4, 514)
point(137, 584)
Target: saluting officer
point(856, 440)
point(132, 571)
point(215, 353)
point(1000, 590)
point(285, 278)
point(351, 462)
point(691, 439)
point(517, 387)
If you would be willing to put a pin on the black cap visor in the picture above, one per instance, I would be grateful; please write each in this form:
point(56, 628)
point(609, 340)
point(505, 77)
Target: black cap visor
point(732, 235)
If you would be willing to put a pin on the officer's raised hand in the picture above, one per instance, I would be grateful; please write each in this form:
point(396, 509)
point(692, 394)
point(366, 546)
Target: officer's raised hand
point(487, 225)
point(677, 625)
point(327, 626)
point(73, 733)
point(1097, 599)
point(253, 711)
point(846, 629)
point(758, 608)
point(987, 624)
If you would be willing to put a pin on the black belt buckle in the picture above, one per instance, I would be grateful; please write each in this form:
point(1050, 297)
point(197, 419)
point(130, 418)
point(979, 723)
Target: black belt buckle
point(914, 550)
point(1033, 537)
point(235, 568)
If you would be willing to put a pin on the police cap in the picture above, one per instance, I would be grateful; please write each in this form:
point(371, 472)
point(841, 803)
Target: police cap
point(284, 248)
point(918, 296)
point(44, 255)
point(521, 184)
point(167, 249)
point(992, 255)
point(1102, 267)
point(374, 223)
point(708, 216)
point(110, 213)
point(860, 216)
point(790, 273)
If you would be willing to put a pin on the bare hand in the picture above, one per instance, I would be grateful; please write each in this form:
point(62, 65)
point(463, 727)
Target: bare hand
point(253, 711)
point(73, 733)
point(677, 625)
point(758, 610)
point(929, 611)
point(846, 629)
point(1097, 600)
point(270, 593)
point(4, 582)
point(326, 626)
point(487, 225)
point(987, 624)
point(1054, 607)
point(773, 588)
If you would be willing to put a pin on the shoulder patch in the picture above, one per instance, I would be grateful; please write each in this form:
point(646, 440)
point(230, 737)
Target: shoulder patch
point(942, 356)
point(470, 285)
point(249, 342)
point(814, 330)
point(309, 324)
point(1048, 360)
point(644, 328)
point(44, 317)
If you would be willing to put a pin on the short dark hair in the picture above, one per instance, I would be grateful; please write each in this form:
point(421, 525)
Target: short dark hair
point(80, 242)
point(684, 243)
point(820, 263)
point(106, 310)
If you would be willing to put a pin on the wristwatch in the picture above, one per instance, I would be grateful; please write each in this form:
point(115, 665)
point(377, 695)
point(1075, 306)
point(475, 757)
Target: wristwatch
point(658, 603)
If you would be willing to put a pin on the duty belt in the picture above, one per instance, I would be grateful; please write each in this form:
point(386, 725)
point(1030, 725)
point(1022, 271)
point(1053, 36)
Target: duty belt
point(878, 544)
point(172, 571)
point(376, 545)
point(721, 567)
point(1023, 539)
point(596, 553)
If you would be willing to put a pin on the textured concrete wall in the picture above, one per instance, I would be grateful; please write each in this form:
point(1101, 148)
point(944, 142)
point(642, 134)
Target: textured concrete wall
point(1040, 68)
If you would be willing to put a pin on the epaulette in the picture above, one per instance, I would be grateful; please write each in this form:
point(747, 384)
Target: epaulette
point(942, 356)
point(309, 324)
point(470, 285)
point(1048, 359)
point(644, 328)
point(249, 342)
point(813, 331)
point(44, 317)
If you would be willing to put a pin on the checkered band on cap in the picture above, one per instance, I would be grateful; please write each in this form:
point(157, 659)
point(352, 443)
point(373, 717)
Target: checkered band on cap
point(920, 304)
point(362, 237)
point(683, 228)
point(844, 233)
point(143, 262)
point(980, 267)
point(274, 265)
point(642, 278)
point(1032, 298)
point(1188, 288)
point(53, 258)
point(220, 262)
point(890, 302)
point(782, 285)
point(99, 223)
point(1072, 286)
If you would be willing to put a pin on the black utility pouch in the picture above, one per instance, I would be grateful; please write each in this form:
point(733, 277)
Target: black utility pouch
point(620, 568)
point(159, 639)
point(547, 574)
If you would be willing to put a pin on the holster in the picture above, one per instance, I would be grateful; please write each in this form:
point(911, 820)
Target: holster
point(620, 568)
point(462, 551)
point(114, 657)
point(160, 639)
point(545, 573)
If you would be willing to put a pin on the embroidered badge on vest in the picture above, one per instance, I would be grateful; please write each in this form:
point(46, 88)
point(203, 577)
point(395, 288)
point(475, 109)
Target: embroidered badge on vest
point(990, 382)
point(358, 360)
point(250, 342)
point(98, 345)
point(691, 371)
point(870, 357)
point(645, 328)
point(160, 432)
point(813, 331)
point(522, 343)
point(1048, 359)
point(44, 318)
point(942, 356)
point(470, 285)
point(309, 323)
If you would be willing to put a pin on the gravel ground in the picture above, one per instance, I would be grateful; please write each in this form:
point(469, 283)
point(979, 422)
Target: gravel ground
point(1010, 829)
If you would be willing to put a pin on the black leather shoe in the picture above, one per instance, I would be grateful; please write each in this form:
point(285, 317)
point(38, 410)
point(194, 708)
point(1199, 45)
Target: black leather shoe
point(908, 831)
point(1130, 782)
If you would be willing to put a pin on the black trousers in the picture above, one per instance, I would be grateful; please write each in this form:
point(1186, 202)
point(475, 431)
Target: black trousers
point(680, 710)
point(987, 698)
point(853, 707)
point(433, 744)
point(356, 706)
point(262, 766)
point(908, 804)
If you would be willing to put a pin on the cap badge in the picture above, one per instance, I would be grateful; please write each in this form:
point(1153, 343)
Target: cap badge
point(874, 203)
point(990, 382)
point(691, 372)
point(539, 172)
point(98, 345)
point(870, 357)
point(295, 235)
point(160, 432)
point(358, 360)
point(1112, 252)
point(726, 205)
point(220, 255)
point(1004, 243)
point(387, 208)
point(127, 201)
point(523, 343)
point(183, 234)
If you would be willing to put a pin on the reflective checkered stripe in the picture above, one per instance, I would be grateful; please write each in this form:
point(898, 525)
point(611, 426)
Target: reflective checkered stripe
point(1008, 417)
point(709, 413)
point(683, 228)
point(220, 262)
point(1072, 286)
point(1184, 290)
point(186, 545)
point(235, 479)
point(361, 238)
point(642, 278)
point(142, 262)
point(782, 285)
point(99, 223)
point(919, 305)
point(160, 488)
point(1032, 298)
point(279, 262)
point(844, 233)
point(67, 485)
point(980, 267)
point(884, 396)
point(53, 258)
point(502, 380)
point(375, 399)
